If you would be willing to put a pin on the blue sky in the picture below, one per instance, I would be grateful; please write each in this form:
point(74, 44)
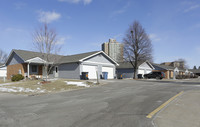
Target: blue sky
point(83, 25)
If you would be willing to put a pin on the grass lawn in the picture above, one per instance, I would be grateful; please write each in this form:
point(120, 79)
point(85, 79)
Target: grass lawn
point(35, 87)
point(1, 81)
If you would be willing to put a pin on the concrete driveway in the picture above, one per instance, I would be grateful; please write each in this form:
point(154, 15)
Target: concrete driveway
point(120, 103)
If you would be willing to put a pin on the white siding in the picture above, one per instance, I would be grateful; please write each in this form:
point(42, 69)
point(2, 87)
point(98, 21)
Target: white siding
point(3, 71)
point(144, 69)
point(110, 71)
point(91, 71)
point(99, 63)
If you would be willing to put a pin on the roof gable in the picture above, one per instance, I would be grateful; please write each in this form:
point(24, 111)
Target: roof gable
point(100, 58)
point(125, 65)
point(36, 60)
point(29, 56)
point(83, 56)
point(75, 58)
point(162, 67)
point(14, 59)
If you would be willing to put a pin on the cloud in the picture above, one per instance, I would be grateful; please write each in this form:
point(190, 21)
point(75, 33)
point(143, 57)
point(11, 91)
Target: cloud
point(117, 36)
point(154, 37)
point(85, 2)
point(20, 5)
point(62, 40)
point(9, 29)
point(191, 8)
point(48, 16)
point(120, 11)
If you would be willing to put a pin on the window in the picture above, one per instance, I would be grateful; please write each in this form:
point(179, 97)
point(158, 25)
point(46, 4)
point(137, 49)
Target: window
point(34, 68)
point(20, 71)
point(56, 69)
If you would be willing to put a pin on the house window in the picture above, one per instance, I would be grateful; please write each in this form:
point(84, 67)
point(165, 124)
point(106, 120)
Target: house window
point(56, 69)
point(20, 71)
point(34, 68)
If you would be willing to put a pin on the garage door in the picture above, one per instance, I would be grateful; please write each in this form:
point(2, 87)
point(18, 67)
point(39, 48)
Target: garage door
point(91, 71)
point(141, 71)
point(110, 71)
point(3, 73)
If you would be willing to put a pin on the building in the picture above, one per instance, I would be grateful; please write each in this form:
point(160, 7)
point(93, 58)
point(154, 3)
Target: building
point(195, 71)
point(114, 49)
point(126, 69)
point(31, 64)
point(3, 70)
point(170, 71)
point(179, 64)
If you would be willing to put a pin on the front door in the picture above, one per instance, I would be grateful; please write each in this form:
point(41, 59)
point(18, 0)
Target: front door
point(56, 71)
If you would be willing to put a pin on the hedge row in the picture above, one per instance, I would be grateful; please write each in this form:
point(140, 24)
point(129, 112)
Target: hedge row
point(186, 76)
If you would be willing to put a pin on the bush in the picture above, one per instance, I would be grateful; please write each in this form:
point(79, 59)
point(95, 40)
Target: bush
point(196, 76)
point(187, 76)
point(17, 77)
point(179, 77)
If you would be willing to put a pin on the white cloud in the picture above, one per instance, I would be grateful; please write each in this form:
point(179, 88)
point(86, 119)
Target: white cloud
point(9, 29)
point(20, 5)
point(154, 37)
point(117, 36)
point(193, 7)
point(121, 10)
point(48, 16)
point(62, 40)
point(87, 1)
point(77, 1)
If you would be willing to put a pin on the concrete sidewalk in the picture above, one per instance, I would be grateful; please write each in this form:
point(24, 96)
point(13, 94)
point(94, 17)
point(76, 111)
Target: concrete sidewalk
point(182, 112)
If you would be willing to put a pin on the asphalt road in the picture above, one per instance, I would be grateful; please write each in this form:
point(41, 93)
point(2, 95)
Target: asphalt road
point(120, 103)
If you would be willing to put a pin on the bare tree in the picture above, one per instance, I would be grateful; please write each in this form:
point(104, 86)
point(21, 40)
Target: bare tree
point(194, 67)
point(3, 56)
point(182, 63)
point(45, 41)
point(137, 46)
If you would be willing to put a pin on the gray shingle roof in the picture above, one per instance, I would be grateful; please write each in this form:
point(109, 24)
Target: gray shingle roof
point(75, 58)
point(1, 64)
point(195, 70)
point(26, 55)
point(162, 67)
point(124, 65)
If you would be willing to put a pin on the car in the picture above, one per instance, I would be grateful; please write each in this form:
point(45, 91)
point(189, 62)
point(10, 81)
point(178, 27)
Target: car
point(156, 75)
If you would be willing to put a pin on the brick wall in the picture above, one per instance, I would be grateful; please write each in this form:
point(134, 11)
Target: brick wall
point(166, 74)
point(14, 69)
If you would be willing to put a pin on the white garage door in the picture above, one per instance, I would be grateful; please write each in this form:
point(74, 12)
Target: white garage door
point(110, 71)
point(148, 71)
point(141, 71)
point(3, 73)
point(91, 71)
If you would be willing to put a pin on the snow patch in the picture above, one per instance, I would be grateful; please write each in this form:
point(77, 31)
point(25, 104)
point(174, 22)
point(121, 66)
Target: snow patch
point(5, 84)
point(20, 89)
point(77, 84)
